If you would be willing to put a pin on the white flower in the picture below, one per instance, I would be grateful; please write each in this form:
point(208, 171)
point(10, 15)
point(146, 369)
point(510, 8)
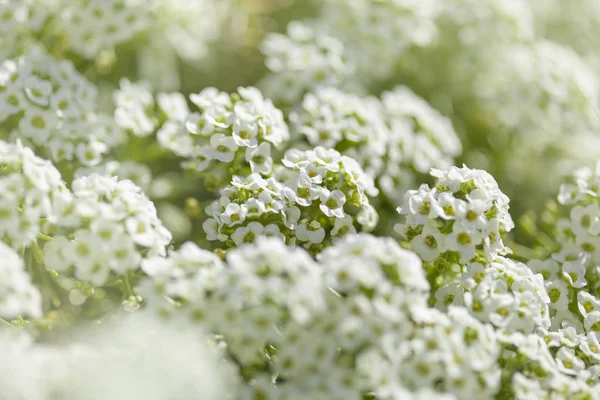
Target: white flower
point(311, 232)
point(332, 203)
point(54, 254)
point(583, 218)
point(574, 272)
point(586, 303)
point(260, 159)
point(248, 233)
point(463, 241)
point(173, 105)
point(234, 214)
point(343, 226)
point(222, 148)
point(558, 291)
point(429, 244)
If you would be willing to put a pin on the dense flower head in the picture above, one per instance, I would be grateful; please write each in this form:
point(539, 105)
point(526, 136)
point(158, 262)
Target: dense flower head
point(392, 139)
point(30, 189)
point(504, 293)
point(564, 89)
point(314, 197)
point(18, 296)
point(572, 268)
point(462, 218)
point(135, 107)
point(346, 122)
point(303, 60)
point(49, 104)
point(379, 32)
point(95, 25)
point(113, 351)
point(236, 132)
point(465, 353)
point(18, 19)
point(310, 321)
point(420, 135)
point(571, 273)
point(103, 229)
point(138, 173)
point(162, 30)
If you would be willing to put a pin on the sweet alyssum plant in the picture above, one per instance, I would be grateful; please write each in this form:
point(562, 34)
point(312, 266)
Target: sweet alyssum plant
point(398, 202)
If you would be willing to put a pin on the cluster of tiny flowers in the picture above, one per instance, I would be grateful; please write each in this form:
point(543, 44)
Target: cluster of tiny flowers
point(50, 105)
point(103, 229)
point(30, 187)
point(539, 371)
point(113, 351)
point(572, 271)
point(18, 18)
point(138, 173)
point(346, 122)
point(377, 33)
point(237, 132)
point(301, 61)
point(135, 108)
point(572, 280)
point(363, 302)
point(392, 139)
point(350, 44)
point(91, 26)
point(453, 352)
point(18, 296)
point(94, 25)
point(462, 218)
point(503, 292)
point(314, 197)
point(563, 88)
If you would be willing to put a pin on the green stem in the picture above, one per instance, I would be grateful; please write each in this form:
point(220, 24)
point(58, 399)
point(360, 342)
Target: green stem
point(5, 322)
point(43, 237)
point(127, 286)
point(55, 297)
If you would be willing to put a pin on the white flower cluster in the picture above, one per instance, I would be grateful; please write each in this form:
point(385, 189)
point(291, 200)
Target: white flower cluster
point(162, 31)
point(236, 131)
point(391, 139)
point(564, 90)
point(346, 122)
point(94, 25)
point(30, 188)
point(17, 19)
point(135, 107)
point(49, 104)
point(378, 33)
point(138, 173)
point(105, 228)
point(463, 217)
point(457, 229)
point(113, 352)
point(350, 44)
point(363, 302)
point(18, 296)
point(314, 197)
point(505, 293)
point(302, 60)
point(572, 278)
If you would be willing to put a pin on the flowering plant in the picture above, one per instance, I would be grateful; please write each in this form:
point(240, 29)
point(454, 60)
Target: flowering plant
point(337, 199)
